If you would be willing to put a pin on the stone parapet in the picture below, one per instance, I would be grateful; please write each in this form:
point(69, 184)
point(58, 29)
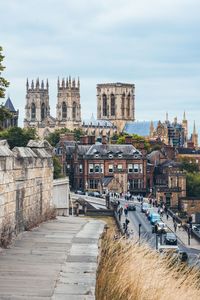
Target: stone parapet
point(26, 185)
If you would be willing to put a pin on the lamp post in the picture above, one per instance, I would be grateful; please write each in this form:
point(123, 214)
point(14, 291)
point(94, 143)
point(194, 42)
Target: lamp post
point(139, 232)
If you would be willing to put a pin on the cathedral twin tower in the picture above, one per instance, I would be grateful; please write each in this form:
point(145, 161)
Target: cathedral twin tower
point(68, 108)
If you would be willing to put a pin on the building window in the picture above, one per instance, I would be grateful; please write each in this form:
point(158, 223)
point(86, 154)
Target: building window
point(91, 168)
point(42, 111)
point(120, 155)
point(74, 111)
point(93, 184)
point(135, 184)
point(80, 168)
point(96, 168)
point(80, 183)
point(96, 155)
point(105, 110)
point(64, 110)
point(112, 105)
point(119, 168)
point(110, 168)
point(141, 168)
point(136, 168)
point(102, 168)
point(33, 110)
point(110, 156)
point(130, 168)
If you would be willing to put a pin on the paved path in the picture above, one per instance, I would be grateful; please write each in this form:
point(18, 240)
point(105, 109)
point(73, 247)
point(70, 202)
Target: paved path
point(57, 260)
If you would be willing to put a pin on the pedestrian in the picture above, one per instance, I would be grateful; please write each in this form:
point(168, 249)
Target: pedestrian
point(167, 215)
point(158, 209)
point(126, 224)
point(120, 212)
point(175, 226)
point(161, 212)
point(126, 212)
point(173, 219)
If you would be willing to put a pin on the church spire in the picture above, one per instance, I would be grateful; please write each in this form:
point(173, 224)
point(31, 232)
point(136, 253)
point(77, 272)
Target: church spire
point(27, 84)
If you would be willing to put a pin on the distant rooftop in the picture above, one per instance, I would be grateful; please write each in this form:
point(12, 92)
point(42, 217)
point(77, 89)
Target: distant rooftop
point(139, 127)
point(117, 84)
point(93, 122)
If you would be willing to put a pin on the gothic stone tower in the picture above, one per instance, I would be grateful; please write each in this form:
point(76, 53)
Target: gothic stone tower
point(185, 126)
point(68, 104)
point(116, 103)
point(37, 107)
point(194, 136)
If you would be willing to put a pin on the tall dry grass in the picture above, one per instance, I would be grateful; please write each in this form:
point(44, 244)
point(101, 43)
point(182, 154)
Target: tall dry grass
point(129, 271)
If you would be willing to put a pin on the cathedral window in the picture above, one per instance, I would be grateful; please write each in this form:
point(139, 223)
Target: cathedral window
point(64, 110)
point(128, 105)
point(33, 110)
point(42, 111)
point(122, 107)
point(112, 105)
point(105, 110)
point(74, 111)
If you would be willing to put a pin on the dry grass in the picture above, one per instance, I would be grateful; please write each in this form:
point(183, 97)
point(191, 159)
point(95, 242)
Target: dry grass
point(34, 220)
point(128, 271)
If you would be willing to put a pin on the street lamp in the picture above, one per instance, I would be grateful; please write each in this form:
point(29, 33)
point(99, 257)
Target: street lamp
point(139, 232)
point(86, 186)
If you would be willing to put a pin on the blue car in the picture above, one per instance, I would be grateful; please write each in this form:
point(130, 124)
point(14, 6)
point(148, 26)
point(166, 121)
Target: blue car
point(154, 218)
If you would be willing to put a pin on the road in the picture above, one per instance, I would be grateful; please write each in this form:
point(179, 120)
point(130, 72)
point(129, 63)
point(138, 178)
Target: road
point(137, 217)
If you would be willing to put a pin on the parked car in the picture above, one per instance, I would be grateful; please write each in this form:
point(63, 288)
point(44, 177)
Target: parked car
point(131, 206)
point(144, 207)
point(154, 218)
point(170, 239)
point(149, 211)
point(80, 192)
point(159, 227)
point(98, 194)
point(91, 194)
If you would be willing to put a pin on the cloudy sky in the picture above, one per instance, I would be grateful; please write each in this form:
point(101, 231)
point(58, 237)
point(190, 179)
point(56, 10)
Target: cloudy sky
point(154, 44)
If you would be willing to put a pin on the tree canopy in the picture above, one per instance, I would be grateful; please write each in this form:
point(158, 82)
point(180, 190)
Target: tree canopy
point(3, 82)
point(54, 137)
point(189, 164)
point(193, 184)
point(18, 137)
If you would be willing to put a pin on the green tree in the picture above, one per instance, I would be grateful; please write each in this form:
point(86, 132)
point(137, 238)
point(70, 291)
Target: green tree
point(193, 184)
point(18, 137)
point(78, 133)
point(3, 82)
point(57, 168)
point(189, 164)
point(54, 137)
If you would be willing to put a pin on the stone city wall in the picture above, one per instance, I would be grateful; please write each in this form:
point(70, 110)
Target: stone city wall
point(26, 185)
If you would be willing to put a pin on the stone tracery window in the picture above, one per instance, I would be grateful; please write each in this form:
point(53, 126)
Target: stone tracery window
point(128, 105)
point(112, 105)
point(43, 110)
point(64, 110)
point(123, 106)
point(105, 108)
point(74, 111)
point(33, 111)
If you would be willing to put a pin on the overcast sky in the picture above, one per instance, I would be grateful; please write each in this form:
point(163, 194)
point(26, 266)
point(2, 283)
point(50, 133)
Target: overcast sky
point(153, 44)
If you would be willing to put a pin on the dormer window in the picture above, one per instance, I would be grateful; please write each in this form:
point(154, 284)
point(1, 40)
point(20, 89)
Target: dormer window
point(120, 155)
point(96, 155)
point(110, 155)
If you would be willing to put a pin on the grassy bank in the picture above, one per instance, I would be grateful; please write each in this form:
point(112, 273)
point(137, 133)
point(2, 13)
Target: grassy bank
point(129, 271)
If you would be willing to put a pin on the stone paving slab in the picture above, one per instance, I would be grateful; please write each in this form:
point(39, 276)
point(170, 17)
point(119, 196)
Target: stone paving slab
point(57, 260)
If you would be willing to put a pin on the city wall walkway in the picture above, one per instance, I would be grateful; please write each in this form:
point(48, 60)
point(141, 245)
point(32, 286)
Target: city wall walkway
point(57, 260)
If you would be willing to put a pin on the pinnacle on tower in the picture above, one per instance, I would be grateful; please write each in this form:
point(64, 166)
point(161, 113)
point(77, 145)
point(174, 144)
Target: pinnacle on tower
point(78, 83)
point(47, 84)
point(37, 84)
point(67, 82)
point(27, 84)
point(63, 83)
point(58, 83)
point(32, 85)
point(42, 85)
point(194, 128)
point(167, 119)
point(73, 83)
point(184, 116)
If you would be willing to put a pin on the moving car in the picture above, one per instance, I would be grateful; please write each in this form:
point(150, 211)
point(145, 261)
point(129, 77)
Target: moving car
point(159, 227)
point(131, 206)
point(170, 239)
point(154, 218)
point(149, 211)
point(144, 207)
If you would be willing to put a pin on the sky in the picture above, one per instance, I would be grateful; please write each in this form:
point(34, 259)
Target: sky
point(153, 44)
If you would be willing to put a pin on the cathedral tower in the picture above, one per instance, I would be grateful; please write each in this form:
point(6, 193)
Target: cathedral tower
point(68, 104)
point(116, 103)
point(37, 107)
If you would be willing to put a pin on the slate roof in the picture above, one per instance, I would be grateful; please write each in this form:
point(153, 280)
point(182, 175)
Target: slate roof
point(127, 150)
point(139, 127)
point(9, 105)
point(187, 151)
